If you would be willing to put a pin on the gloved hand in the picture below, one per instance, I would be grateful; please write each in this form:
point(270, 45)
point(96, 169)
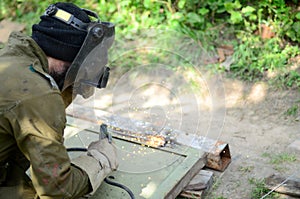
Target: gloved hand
point(100, 160)
point(105, 153)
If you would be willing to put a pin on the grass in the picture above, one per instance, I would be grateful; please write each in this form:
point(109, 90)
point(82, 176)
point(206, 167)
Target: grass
point(246, 169)
point(280, 158)
point(292, 111)
point(216, 184)
point(259, 189)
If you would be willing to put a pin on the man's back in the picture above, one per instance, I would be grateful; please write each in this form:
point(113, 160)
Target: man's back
point(21, 83)
point(32, 114)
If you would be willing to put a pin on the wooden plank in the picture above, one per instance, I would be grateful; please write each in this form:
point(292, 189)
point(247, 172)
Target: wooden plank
point(199, 185)
point(185, 179)
point(287, 186)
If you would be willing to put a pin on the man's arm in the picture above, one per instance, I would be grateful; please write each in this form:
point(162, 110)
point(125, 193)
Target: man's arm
point(38, 128)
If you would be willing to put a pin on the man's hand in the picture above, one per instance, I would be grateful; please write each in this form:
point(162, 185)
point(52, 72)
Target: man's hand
point(100, 161)
point(105, 153)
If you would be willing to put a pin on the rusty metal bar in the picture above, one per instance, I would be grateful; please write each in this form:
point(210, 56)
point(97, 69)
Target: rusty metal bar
point(220, 157)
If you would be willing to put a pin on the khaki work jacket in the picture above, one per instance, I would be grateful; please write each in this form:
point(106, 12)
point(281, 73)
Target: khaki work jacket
point(32, 121)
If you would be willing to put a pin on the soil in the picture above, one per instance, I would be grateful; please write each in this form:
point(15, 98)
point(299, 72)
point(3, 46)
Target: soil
point(250, 117)
point(257, 132)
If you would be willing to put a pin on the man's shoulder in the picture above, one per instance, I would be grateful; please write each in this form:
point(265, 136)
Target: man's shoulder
point(24, 73)
point(21, 82)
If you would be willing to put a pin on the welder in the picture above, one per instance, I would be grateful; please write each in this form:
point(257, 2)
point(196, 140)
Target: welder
point(40, 75)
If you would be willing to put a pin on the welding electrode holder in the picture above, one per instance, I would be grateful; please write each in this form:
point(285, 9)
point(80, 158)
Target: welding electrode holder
point(104, 133)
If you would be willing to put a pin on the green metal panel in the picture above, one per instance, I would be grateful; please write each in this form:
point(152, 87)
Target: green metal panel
point(149, 172)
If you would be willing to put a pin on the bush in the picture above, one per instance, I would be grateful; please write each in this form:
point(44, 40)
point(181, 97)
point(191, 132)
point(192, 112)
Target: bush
point(264, 33)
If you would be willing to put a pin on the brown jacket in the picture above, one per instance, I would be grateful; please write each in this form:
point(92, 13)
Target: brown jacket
point(32, 121)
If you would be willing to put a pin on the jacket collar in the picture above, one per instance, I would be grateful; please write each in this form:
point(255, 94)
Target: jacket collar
point(26, 46)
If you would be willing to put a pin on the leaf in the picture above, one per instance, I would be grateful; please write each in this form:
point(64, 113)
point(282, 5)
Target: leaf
point(236, 17)
point(112, 8)
point(228, 6)
point(254, 27)
point(177, 16)
point(237, 4)
point(203, 11)
point(296, 26)
point(248, 10)
point(193, 17)
point(147, 3)
point(125, 3)
point(253, 17)
point(298, 15)
point(174, 24)
point(221, 10)
point(181, 4)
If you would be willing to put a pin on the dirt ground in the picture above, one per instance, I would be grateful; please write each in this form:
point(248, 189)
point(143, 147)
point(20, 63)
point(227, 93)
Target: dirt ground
point(257, 130)
point(249, 117)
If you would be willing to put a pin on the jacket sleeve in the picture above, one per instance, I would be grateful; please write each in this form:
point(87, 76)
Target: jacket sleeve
point(38, 128)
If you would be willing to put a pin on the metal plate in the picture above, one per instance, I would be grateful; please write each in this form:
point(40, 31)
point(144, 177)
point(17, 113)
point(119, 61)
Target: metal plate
point(149, 172)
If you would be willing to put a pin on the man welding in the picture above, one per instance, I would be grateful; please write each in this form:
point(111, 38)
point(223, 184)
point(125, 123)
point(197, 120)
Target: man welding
point(40, 75)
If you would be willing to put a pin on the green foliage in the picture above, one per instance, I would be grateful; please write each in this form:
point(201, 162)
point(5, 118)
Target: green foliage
point(130, 16)
point(259, 189)
point(287, 79)
point(246, 169)
point(254, 56)
point(292, 111)
point(22, 10)
point(293, 79)
point(283, 18)
point(281, 157)
point(209, 21)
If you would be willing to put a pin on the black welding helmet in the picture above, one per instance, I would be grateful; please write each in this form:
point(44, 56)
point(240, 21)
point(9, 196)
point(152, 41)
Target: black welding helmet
point(88, 70)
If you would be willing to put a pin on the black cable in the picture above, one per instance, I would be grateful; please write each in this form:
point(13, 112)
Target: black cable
point(78, 149)
point(120, 186)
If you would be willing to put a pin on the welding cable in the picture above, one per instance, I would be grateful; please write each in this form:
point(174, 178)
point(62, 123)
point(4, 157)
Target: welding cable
point(108, 181)
point(76, 149)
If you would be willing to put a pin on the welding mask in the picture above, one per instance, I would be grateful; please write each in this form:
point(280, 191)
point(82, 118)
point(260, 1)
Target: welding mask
point(88, 70)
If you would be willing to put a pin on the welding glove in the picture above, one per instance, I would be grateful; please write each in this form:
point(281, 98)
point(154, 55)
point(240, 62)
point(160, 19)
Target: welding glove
point(100, 160)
